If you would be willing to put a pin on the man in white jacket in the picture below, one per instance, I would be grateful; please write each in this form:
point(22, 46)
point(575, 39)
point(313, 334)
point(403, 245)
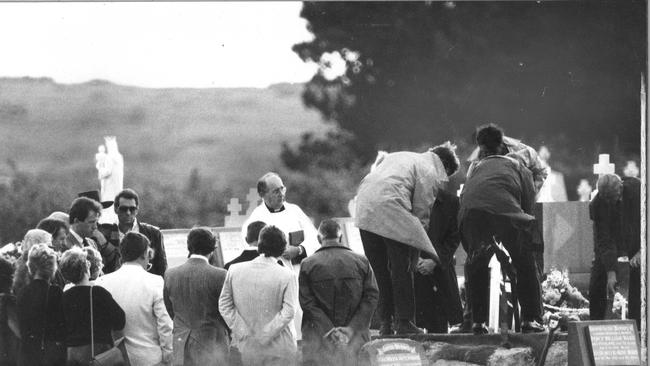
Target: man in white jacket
point(148, 330)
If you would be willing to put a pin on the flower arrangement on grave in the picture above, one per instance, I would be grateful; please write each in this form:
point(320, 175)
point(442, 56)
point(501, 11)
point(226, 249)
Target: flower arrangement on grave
point(10, 252)
point(618, 303)
point(562, 299)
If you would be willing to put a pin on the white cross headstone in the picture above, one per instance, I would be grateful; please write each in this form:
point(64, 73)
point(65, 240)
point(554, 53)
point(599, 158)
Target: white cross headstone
point(603, 166)
point(495, 294)
point(253, 199)
point(631, 169)
point(234, 219)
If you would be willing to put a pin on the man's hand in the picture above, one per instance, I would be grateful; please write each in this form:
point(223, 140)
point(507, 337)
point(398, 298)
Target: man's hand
point(349, 332)
point(426, 266)
point(101, 240)
point(611, 282)
point(414, 257)
point(635, 262)
point(291, 252)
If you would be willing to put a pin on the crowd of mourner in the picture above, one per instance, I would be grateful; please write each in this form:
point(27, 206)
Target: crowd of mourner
point(77, 292)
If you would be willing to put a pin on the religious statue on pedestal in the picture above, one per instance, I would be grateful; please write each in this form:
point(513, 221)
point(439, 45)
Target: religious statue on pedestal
point(110, 171)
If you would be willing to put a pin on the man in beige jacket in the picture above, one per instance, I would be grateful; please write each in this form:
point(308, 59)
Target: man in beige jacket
point(393, 206)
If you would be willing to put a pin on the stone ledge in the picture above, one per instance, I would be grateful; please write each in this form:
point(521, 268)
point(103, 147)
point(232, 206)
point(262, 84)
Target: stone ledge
point(507, 349)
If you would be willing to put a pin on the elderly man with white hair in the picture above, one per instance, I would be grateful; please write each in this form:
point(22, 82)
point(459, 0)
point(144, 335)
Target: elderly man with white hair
point(22, 276)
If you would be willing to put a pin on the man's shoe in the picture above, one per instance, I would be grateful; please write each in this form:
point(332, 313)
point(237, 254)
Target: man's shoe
point(532, 327)
point(407, 327)
point(386, 329)
point(479, 328)
point(461, 328)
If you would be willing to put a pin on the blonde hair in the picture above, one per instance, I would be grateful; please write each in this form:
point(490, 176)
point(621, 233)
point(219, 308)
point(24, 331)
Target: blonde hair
point(74, 264)
point(41, 261)
point(95, 259)
point(33, 237)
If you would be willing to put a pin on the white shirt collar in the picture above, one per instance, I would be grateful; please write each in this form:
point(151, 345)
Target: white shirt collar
point(135, 229)
point(200, 257)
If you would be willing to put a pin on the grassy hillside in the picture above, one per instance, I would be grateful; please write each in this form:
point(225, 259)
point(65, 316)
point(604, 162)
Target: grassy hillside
point(231, 135)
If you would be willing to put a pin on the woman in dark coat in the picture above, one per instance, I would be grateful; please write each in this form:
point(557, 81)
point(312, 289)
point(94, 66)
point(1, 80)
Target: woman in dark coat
point(107, 314)
point(39, 312)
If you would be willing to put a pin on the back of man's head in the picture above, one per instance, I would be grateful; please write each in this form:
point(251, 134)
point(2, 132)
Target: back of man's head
point(201, 241)
point(489, 138)
point(133, 246)
point(253, 232)
point(447, 154)
point(609, 187)
point(272, 242)
point(81, 208)
point(329, 230)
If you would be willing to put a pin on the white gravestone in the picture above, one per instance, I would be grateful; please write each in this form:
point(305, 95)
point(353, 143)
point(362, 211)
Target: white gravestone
point(234, 219)
point(584, 190)
point(603, 167)
point(110, 171)
point(495, 294)
point(631, 169)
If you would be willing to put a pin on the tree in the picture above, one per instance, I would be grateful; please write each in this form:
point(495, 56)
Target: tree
point(427, 71)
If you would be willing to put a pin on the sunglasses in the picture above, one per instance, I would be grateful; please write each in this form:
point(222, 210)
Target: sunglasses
point(124, 209)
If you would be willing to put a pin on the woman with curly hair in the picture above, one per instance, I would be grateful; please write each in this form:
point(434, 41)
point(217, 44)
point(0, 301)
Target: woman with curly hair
point(107, 315)
point(39, 316)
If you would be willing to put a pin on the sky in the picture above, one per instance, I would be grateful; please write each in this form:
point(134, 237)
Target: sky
point(156, 45)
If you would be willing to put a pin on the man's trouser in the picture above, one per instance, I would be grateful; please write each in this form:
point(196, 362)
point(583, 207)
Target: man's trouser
point(597, 291)
point(390, 261)
point(478, 230)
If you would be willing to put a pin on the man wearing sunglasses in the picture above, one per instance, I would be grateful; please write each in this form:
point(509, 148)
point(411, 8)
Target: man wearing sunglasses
point(126, 207)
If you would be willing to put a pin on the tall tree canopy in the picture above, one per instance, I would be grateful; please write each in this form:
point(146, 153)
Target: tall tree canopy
point(421, 72)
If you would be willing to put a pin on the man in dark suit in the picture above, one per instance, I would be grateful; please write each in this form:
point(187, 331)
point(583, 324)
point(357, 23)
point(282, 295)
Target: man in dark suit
point(338, 295)
point(191, 296)
point(252, 235)
point(126, 207)
point(437, 299)
point(83, 215)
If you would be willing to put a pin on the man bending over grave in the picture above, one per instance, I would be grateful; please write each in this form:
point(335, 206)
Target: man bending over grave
point(492, 134)
point(437, 299)
point(496, 206)
point(127, 204)
point(393, 207)
point(338, 294)
point(490, 137)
